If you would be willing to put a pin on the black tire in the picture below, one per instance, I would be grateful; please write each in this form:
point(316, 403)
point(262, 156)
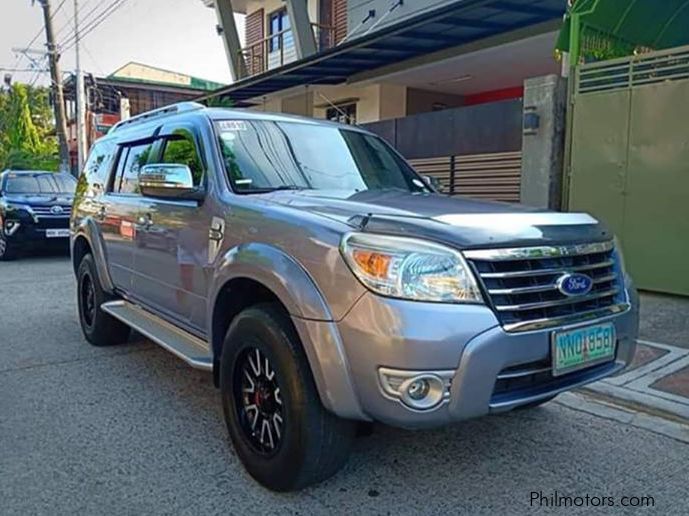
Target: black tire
point(99, 328)
point(7, 252)
point(536, 404)
point(311, 444)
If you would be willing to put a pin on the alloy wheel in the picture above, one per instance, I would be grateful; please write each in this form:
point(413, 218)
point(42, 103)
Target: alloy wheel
point(258, 402)
point(87, 295)
point(3, 246)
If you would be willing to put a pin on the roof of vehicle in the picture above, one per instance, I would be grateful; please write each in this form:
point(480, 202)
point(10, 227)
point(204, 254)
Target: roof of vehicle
point(31, 172)
point(213, 113)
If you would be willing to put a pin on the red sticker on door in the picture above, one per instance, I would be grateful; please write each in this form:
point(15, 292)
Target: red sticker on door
point(127, 230)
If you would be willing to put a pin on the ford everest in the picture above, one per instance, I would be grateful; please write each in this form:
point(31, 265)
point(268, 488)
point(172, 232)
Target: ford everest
point(323, 282)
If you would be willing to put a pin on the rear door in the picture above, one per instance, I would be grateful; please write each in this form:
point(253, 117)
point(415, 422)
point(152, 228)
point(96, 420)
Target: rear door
point(120, 209)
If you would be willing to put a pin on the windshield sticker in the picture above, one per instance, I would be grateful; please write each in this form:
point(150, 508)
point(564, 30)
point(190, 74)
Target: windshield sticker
point(232, 125)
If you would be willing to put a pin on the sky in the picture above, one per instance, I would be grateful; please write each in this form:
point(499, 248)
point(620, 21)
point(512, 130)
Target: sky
point(177, 35)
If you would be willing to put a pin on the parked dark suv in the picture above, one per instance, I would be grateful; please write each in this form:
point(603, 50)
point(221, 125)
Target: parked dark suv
point(323, 282)
point(35, 207)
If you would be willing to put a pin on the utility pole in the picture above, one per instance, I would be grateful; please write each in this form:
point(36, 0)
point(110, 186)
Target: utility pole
point(81, 115)
point(59, 99)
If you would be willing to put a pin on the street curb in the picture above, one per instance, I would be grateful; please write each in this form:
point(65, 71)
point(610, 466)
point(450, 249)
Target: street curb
point(583, 402)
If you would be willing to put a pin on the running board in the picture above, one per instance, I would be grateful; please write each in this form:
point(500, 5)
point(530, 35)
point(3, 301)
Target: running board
point(186, 346)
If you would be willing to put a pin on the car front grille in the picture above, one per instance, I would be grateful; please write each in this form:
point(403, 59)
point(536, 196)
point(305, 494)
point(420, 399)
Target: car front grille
point(536, 378)
point(521, 284)
point(46, 211)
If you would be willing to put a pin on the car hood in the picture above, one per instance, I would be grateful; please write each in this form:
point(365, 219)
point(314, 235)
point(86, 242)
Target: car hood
point(40, 199)
point(458, 221)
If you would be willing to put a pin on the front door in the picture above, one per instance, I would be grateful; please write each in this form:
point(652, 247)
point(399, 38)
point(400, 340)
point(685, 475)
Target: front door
point(171, 260)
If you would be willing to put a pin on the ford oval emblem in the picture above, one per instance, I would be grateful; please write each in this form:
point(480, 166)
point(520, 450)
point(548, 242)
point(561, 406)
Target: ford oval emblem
point(573, 285)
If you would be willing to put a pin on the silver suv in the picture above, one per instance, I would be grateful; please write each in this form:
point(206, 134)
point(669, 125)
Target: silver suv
point(324, 283)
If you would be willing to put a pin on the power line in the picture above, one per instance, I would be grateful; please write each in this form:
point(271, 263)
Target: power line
point(93, 24)
point(66, 28)
point(40, 31)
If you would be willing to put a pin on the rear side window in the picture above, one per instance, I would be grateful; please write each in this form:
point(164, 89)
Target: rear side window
point(132, 159)
point(97, 167)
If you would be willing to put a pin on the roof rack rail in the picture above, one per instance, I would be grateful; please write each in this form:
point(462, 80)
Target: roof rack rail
point(172, 109)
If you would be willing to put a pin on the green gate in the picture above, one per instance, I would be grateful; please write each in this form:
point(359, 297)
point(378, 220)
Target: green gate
point(629, 160)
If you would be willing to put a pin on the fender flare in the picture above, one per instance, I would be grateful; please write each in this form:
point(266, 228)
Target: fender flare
point(277, 271)
point(313, 321)
point(88, 229)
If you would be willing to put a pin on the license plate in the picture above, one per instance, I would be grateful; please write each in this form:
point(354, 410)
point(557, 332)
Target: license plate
point(584, 347)
point(57, 233)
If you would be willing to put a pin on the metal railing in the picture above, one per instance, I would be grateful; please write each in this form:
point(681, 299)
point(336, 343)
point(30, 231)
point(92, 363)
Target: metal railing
point(278, 49)
point(638, 70)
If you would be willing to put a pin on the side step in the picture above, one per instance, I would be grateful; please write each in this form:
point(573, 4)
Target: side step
point(189, 348)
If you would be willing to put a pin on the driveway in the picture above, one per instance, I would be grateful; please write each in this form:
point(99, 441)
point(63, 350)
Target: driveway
point(132, 430)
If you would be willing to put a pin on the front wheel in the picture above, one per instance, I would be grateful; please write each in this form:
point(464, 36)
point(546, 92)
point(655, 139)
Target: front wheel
point(283, 435)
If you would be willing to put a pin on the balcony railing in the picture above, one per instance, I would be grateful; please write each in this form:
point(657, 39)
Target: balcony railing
point(278, 49)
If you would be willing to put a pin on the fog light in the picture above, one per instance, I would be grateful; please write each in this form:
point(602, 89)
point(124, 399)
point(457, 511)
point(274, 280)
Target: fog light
point(11, 227)
point(422, 392)
point(418, 389)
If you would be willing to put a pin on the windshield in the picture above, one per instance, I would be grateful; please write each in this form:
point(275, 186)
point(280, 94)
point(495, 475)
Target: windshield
point(40, 184)
point(263, 156)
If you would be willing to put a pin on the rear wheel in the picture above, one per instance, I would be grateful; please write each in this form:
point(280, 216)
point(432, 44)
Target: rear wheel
point(282, 433)
point(99, 327)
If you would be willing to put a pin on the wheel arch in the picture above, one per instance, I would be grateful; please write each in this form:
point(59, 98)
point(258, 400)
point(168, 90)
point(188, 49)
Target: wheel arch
point(86, 239)
point(254, 273)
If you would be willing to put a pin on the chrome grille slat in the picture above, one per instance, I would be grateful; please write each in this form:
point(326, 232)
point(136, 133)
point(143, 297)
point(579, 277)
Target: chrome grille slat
point(521, 373)
point(543, 288)
point(547, 272)
point(559, 302)
point(44, 211)
point(538, 253)
point(521, 283)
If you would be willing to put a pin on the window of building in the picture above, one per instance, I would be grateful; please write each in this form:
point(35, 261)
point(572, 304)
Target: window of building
point(180, 149)
point(278, 25)
point(132, 158)
point(344, 113)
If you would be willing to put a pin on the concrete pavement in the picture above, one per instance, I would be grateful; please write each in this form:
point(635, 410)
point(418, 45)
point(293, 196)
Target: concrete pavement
point(132, 430)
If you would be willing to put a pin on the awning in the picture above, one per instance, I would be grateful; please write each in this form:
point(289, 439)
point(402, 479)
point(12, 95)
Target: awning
point(453, 24)
point(611, 28)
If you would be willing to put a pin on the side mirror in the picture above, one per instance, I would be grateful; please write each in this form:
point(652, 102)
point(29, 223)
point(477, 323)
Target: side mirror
point(434, 183)
point(168, 181)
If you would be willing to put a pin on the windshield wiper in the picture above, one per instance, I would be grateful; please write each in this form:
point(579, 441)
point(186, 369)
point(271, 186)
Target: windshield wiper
point(275, 189)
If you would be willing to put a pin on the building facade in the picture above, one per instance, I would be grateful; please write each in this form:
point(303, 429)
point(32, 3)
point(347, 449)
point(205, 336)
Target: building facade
point(130, 90)
point(443, 80)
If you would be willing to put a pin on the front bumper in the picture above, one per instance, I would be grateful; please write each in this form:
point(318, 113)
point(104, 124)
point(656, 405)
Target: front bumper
point(32, 232)
point(467, 343)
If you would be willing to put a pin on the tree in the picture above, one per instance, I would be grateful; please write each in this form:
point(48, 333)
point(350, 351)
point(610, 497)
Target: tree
point(26, 127)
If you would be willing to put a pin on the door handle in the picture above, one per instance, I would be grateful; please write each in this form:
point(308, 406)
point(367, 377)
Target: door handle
point(145, 220)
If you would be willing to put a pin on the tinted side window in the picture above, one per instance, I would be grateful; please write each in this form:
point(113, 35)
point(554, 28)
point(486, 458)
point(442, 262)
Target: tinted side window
point(132, 158)
point(180, 149)
point(97, 167)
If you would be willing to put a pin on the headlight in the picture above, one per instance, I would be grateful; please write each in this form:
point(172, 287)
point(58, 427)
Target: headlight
point(10, 206)
point(407, 268)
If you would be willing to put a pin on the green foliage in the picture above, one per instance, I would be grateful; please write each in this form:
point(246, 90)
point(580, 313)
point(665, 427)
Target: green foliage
point(220, 102)
point(26, 125)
